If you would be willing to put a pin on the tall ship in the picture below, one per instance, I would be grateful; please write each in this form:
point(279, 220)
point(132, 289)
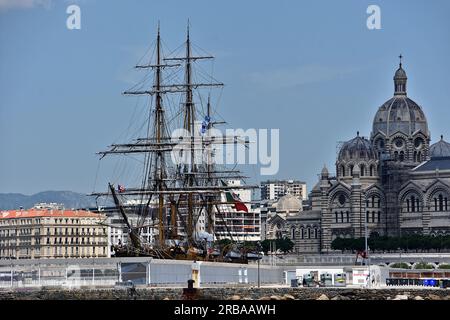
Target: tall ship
point(180, 184)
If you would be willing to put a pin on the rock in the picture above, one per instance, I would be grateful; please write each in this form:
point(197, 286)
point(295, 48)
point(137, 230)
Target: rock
point(264, 298)
point(235, 297)
point(418, 298)
point(336, 298)
point(275, 297)
point(166, 298)
point(288, 297)
point(434, 297)
point(323, 297)
point(401, 297)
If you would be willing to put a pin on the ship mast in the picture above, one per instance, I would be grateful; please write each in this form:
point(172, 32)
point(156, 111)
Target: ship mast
point(159, 167)
point(187, 189)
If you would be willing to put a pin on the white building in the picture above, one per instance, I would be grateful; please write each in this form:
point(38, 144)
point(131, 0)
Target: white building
point(275, 189)
point(241, 225)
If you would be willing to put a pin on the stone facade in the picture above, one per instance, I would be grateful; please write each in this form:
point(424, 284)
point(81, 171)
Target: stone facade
point(395, 180)
point(36, 233)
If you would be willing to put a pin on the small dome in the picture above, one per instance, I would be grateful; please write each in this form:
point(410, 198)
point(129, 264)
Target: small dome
point(440, 149)
point(400, 74)
point(359, 148)
point(289, 203)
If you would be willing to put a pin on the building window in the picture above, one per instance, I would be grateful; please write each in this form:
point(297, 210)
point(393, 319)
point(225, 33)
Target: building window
point(348, 217)
point(342, 217)
point(336, 214)
point(373, 216)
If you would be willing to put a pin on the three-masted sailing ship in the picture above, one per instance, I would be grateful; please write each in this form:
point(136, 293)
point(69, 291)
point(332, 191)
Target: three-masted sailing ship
point(178, 193)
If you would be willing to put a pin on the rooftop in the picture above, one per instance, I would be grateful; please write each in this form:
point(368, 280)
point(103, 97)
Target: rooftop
point(436, 163)
point(34, 213)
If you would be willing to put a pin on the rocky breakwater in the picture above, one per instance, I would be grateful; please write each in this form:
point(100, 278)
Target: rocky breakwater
point(235, 294)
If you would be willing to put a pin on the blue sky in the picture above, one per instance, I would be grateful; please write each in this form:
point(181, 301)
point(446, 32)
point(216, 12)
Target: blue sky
point(310, 68)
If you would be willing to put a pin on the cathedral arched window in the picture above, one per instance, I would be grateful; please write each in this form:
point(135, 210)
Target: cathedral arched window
point(351, 170)
point(313, 233)
point(379, 216)
point(396, 155)
point(371, 171)
point(419, 156)
point(316, 233)
point(302, 233)
point(367, 216)
point(440, 202)
point(402, 156)
point(342, 217)
point(362, 170)
point(373, 216)
point(413, 204)
point(309, 233)
point(293, 233)
point(343, 171)
point(348, 217)
point(337, 218)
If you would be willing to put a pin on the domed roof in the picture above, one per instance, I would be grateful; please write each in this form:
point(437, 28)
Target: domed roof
point(358, 148)
point(400, 73)
point(289, 203)
point(440, 149)
point(400, 113)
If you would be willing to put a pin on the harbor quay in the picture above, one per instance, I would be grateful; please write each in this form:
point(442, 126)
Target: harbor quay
point(140, 273)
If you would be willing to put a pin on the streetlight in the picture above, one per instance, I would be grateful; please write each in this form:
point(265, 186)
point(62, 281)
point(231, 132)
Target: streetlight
point(258, 247)
point(365, 241)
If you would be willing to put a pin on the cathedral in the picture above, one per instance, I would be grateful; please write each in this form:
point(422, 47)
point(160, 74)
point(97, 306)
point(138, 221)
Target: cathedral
point(395, 180)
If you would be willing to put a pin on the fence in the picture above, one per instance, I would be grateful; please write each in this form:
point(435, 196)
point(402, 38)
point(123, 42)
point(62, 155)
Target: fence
point(140, 271)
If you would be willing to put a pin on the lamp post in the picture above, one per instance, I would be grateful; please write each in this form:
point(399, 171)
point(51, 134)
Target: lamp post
point(258, 247)
point(366, 247)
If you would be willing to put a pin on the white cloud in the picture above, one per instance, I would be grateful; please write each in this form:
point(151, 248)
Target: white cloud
point(298, 76)
point(23, 4)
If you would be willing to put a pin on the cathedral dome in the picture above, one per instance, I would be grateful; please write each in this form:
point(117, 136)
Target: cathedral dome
point(440, 149)
point(359, 148)
point(289, 203)
point(400, 113)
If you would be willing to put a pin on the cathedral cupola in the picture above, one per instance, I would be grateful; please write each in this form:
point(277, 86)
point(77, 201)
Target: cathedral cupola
point(400, 79)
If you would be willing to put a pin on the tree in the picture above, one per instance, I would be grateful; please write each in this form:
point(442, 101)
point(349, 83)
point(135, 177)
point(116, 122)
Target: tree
point(284, 244)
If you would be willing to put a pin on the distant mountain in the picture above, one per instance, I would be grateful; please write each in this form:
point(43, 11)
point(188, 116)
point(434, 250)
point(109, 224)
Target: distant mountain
point(10, 201)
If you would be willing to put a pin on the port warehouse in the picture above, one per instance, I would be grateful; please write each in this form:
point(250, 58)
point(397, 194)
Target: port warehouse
point(175, 273)
point(140, 271)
